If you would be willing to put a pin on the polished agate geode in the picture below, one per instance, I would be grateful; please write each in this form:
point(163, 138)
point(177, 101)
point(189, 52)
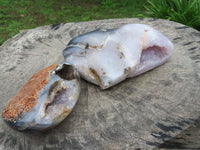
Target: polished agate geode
point(108, 56)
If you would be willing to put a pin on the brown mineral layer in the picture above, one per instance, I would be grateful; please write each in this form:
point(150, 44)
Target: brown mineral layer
point(28, 95)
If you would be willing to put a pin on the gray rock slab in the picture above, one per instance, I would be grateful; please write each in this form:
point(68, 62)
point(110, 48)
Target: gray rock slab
point(144, 112)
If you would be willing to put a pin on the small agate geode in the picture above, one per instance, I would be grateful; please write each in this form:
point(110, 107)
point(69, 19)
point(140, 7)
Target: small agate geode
point(45, 100)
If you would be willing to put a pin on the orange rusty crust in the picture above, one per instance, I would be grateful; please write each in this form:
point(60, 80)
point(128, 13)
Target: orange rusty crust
point(97, 76)
point(118, 47)
point(95, 47)
point(27, 96)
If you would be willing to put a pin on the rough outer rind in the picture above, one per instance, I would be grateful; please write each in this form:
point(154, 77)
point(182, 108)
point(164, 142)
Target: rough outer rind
point(27, 96)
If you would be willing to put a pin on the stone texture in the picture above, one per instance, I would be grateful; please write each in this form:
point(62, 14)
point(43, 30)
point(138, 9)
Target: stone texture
point(145, 112)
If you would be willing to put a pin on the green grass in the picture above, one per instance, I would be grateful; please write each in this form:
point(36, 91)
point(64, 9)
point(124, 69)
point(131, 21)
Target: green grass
point(184, 11)
point(16, 15)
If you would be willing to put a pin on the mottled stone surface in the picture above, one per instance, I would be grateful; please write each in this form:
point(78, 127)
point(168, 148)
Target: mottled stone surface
point(156, 109)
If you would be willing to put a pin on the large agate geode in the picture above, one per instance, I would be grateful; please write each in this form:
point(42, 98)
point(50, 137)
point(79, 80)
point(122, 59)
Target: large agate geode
point(108, 56)
point(45, 100)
